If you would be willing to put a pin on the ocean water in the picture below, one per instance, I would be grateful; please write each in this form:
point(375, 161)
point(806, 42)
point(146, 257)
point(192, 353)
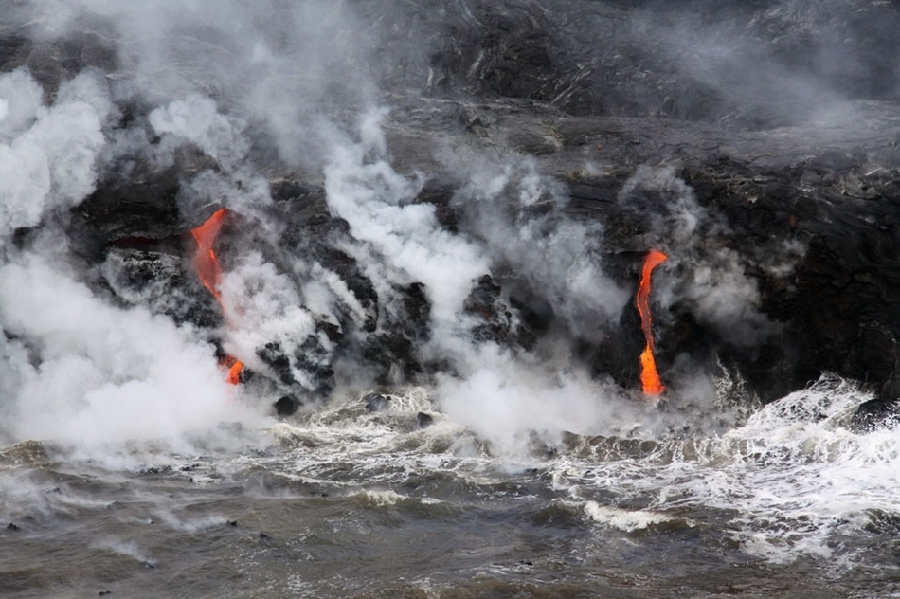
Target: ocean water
point(341, 501)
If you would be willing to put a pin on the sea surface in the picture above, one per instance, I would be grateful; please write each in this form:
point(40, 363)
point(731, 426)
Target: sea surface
point(363, 499)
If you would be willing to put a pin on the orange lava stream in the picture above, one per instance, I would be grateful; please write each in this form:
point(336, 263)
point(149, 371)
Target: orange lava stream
point(234, 371)
point(205, 262)
point(210, 272)
point(650, 383)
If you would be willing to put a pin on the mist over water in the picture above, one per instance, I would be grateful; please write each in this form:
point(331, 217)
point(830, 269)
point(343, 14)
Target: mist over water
point(501, 466)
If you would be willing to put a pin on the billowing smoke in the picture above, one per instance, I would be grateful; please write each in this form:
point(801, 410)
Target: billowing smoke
point(79, 370)
point(198, 120)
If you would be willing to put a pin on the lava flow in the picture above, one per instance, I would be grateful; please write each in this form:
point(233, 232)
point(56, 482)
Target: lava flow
point(210, 272)
point(205, 262)
point(650, 383)
point(235, 368)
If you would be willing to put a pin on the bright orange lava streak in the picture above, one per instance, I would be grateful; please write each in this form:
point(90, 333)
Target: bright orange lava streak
point(210, 272)
point(205, 262)
point(650, 383)
point(234, 372)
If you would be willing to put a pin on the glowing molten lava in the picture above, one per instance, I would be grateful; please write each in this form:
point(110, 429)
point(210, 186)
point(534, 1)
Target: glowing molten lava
point(205, 262)
point(210, 272)
point(234, 370)
point(650, 382)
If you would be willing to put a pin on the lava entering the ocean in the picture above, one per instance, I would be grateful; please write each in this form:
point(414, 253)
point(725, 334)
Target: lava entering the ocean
point(650, 383)
point(210, 272)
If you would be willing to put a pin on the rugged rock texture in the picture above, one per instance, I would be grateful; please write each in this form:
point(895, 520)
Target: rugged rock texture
point(685, 59)
point(779, 122)
point(830, 188)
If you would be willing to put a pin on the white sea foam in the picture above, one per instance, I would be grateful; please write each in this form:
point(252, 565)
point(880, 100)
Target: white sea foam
point(382, 498)
point(624, 520)
point(794, 475)
point(189, 525)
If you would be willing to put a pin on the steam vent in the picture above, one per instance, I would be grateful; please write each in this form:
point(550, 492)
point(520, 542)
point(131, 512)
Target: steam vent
point(424, 233)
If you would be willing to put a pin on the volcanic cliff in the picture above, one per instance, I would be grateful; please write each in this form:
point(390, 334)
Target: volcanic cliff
point(756, 143)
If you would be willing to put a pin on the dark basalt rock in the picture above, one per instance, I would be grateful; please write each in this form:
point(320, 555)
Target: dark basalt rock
point(161, 281)
point(309, 358)
point(272, 355)
point(315, 361)
point(875, 412)
point(424, 420)
point(376, 402)
point(156, 470)
point(886, 406)
point(495, 321)
point(390, 352)
point(52, 62)
point(287, 405)
point(138, 204)
point(690, 59)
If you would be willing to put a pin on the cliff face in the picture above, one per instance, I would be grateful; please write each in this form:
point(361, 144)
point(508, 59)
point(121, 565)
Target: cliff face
point(807, 213)
point(756, 143)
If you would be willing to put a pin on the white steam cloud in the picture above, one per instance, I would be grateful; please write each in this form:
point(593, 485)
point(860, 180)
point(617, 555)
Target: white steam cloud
point(515, 405)
point(198, 120)
point(518, 214)
point(377, 202)
point(75, 369)
point(263, 306)
point(47, 154)
point(513, 401)
point(105, 375)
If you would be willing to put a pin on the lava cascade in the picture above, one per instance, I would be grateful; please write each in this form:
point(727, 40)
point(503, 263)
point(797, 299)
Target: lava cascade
point(208, 269)
point(206, 264)
point(650, 382)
